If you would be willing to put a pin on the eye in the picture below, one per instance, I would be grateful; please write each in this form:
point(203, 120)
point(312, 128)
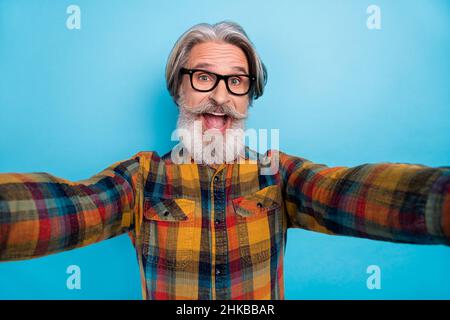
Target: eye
point(204, 77)
point(235, 81)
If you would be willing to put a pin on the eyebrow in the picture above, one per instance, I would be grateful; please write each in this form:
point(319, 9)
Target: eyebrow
point(206, 65)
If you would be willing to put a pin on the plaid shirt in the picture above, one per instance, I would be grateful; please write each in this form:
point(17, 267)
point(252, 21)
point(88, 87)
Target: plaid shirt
point(205, 233)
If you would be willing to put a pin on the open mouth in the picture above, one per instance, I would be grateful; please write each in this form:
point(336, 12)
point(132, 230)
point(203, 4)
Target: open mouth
point(216, 120)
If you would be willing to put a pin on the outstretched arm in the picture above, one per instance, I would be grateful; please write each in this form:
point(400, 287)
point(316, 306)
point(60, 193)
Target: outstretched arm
point(41, 214)
point(385, 201)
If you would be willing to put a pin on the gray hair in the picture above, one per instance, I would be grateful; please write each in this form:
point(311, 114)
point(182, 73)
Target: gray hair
point(225, 31)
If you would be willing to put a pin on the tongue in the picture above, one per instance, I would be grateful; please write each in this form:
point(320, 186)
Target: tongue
point(212, 121)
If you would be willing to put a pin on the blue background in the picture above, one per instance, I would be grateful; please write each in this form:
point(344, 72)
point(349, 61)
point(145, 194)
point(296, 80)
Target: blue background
point(73, 102)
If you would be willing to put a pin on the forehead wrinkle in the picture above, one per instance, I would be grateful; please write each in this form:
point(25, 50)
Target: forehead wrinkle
point(233, 56)
point(203, 65)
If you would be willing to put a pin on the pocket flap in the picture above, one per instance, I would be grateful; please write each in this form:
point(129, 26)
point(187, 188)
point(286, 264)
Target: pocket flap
point(168, 209)
point(258, 202)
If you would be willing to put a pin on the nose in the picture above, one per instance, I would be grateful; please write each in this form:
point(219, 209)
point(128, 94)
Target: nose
point(220, 93)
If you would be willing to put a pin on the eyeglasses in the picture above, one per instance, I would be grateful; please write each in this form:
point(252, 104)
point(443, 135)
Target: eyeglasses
point(205, 81)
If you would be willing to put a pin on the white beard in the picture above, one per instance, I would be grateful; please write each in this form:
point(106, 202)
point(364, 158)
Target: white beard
point(211, 146)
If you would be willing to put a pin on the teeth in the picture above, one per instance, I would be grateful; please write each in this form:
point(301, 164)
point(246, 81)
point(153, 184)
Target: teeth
point(217, 114)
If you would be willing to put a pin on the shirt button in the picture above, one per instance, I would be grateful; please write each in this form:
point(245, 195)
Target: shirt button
point(217, 222)
point(217, 271)
point(216, 179)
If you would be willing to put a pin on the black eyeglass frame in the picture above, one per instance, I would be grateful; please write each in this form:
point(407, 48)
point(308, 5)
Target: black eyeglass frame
point(219, 77)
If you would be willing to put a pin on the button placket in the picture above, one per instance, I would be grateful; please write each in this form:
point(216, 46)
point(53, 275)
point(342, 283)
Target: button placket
point(218, 198)
point(221, 236)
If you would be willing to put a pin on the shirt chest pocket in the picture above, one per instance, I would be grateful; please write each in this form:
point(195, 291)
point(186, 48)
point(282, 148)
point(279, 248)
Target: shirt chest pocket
point(168, 232)
point(259, 225)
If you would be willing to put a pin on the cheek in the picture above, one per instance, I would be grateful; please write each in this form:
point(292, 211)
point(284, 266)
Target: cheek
point(190, 96)
point(241, 104)
point(194, 98)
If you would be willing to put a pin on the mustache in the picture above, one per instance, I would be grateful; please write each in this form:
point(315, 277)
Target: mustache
point(211, 107)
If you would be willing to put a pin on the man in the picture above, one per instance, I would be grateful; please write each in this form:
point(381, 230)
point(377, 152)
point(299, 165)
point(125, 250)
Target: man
point(213, 225)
